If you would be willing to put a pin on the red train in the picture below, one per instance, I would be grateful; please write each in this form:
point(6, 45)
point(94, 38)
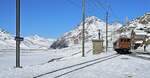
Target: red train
point(122, 45)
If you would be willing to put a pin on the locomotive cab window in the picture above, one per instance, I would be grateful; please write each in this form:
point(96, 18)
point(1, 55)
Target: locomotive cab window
point(128, 40)
point(121, 40)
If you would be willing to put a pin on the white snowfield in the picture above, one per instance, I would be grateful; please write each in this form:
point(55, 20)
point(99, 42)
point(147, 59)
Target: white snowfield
point(68, 63)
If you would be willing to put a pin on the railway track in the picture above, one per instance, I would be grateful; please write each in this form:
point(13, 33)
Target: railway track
point(66, 70)
point(138, 55)
point(81, 52)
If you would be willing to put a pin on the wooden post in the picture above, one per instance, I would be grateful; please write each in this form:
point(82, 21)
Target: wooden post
point(106, 31)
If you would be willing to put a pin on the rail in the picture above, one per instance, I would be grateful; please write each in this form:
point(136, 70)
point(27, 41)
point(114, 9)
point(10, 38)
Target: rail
point(86, 64)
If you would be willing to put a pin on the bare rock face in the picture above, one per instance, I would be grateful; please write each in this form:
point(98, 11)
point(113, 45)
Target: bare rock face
point(61, 43)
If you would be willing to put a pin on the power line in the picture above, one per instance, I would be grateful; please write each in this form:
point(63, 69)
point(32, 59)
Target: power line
point(113, 13)
point(93, 8)
point(100, 4)
point(73, 3)
point(97, 6)
point(90, 6)
point(94, 4)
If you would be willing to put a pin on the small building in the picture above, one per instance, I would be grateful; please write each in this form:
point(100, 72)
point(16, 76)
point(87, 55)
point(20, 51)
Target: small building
point(138, 35)
point(97, 46)
point(137, 38)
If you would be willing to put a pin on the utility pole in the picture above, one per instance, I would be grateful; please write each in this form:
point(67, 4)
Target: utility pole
point(83, 35)
point(126, 21)
point(18, 38)
point(106, 31)
point(99, 34)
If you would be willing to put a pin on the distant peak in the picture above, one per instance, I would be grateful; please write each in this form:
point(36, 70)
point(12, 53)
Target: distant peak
point(116, 23)
point(35, 35)
point(93, 18)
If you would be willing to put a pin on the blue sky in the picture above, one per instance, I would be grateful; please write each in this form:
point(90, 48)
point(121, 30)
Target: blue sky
point(51, 18)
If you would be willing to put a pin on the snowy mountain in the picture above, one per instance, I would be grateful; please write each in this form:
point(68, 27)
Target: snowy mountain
point(37, 42)
point(139, 27)
point(141, 23)
point(33, 42)
point(92, 25)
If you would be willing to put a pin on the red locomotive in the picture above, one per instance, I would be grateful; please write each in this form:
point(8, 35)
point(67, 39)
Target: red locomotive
point(122, 45)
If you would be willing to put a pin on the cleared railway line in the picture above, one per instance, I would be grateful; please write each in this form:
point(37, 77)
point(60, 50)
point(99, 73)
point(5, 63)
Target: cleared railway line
point(72, 68)
point(139, 56)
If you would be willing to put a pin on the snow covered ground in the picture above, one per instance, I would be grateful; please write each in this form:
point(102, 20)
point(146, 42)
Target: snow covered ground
point(68, 63)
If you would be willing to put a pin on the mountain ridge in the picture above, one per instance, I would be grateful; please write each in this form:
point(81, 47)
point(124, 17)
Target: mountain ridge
point(92, 25)
point(7, 41)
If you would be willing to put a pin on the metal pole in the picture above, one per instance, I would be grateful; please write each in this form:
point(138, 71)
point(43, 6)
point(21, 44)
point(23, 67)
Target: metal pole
point(126, 21)
point(106, 31)
point(17, 33)
point(83, 19)
point(99, 34)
